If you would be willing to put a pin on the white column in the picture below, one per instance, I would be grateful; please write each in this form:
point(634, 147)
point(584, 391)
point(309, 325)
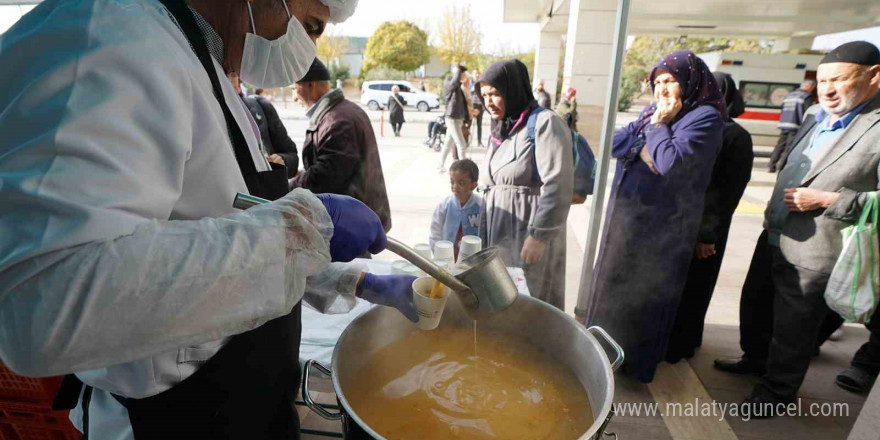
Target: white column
point(547, 61)
point(781, 45)
point(588, 54)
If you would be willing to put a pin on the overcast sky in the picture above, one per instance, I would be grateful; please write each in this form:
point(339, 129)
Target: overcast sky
point(497, 36)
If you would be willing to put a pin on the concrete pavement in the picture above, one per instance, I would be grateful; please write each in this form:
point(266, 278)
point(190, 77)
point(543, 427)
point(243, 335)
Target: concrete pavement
point(415, 187)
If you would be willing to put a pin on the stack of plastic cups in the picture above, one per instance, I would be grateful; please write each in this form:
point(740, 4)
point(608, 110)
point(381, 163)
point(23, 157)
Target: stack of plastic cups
point(398, 266)
point(470, 244)
point(444, 250)
point(412, 269)
point(424, 250)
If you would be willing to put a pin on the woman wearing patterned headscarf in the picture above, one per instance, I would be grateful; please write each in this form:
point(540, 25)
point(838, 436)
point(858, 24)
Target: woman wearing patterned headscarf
point(664, 162)
point(528, 181)
point(730, 176)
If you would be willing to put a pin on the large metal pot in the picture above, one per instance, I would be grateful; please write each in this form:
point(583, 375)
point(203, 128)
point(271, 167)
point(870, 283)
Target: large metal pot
point(543, 325)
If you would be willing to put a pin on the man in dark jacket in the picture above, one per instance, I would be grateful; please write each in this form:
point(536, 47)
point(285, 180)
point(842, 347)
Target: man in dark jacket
point(541, 95)
point(457, 115)
point(340, 154)
point(478, 109)
point(793, 107)
point(277, 145)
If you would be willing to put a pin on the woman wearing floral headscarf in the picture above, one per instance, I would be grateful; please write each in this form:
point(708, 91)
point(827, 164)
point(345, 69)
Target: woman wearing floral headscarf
point(664, 162)
point(528, 181)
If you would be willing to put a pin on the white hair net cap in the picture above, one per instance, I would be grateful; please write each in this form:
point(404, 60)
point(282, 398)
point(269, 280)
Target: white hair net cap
point(340, 10)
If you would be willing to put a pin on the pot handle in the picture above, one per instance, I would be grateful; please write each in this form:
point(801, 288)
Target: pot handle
point(305, 391)
point(597, 331)
point(602, 432)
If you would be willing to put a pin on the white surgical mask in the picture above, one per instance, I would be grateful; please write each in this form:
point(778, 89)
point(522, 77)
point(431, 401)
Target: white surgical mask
point(278, 63)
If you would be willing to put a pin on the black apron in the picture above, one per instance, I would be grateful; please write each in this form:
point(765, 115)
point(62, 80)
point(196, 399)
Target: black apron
point(246, 390)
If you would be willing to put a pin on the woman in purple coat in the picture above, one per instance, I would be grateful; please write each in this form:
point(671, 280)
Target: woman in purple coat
point(664, 162)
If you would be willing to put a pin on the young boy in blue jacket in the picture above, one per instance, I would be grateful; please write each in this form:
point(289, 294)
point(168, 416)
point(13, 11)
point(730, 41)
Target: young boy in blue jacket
point(459, 214)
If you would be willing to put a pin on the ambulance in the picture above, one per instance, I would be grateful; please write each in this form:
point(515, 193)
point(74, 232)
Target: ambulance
point(764, 80)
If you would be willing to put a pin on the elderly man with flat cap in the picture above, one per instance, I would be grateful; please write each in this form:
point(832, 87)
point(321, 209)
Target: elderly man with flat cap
point(340, 154)
point(822, 189)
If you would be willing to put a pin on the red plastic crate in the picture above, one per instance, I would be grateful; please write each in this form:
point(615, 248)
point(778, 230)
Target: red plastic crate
point(27, 389)
point(26, 409)
point(37, 426)
point(18, 410)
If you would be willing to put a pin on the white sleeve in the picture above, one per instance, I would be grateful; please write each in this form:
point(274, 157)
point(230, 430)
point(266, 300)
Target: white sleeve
point(333, 290)
point(437, 221)
point(166, 285)
point(92, 271)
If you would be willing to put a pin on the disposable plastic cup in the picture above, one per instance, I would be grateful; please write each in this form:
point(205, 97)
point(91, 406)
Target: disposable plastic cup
point(470, 244)
point(444, 263)
point(430, 310)
point(423, 249)
point(412, 269)
point(443, 250)
point(398, 266)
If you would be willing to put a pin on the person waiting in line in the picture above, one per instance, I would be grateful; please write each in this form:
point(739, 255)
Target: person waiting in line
point(864, 368)
point(730, 176)
point(528, 179)
point(395, 108)
point(794, 107)
point(477, 112)
point(542, 96)
point(278, 147)
point(456, 116)
point(459, 214)
point(822, 189)
point(664, 164)
point(340, 155)
point(469, 108)
point(567, 108)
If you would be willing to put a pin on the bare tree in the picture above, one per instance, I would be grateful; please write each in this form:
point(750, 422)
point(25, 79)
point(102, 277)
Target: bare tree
point(332, 46)
point(459, 36)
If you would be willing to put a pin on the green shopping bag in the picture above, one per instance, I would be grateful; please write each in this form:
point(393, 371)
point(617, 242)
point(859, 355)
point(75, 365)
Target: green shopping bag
point(853, 286)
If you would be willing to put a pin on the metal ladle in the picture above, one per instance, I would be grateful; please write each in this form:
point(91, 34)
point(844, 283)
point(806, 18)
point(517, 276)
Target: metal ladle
point(484, 287)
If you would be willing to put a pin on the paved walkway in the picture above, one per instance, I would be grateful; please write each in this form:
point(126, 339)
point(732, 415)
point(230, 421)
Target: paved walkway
point(414, 189)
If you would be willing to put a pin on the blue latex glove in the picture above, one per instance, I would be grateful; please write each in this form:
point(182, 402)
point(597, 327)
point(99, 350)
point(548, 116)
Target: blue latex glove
point(390, 290)
point(356, 228)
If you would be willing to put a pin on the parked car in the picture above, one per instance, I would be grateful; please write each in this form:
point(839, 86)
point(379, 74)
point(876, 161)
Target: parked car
point(374, 94)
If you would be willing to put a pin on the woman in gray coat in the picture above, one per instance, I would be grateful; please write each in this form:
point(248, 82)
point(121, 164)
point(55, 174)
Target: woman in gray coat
point(528, 177)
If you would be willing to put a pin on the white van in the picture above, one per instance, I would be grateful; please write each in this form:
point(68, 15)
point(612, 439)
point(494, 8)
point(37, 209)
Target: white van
point(375, 94)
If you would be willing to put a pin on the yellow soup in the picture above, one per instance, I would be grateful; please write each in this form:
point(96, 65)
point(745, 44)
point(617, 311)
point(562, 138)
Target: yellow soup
point(430, 385)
